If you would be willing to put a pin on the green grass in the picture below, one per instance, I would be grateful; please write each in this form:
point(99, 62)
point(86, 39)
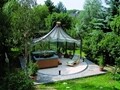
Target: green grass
point(101, 82)
point(78, 52)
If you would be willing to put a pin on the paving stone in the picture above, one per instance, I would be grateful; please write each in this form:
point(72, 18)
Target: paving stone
point(88, 70)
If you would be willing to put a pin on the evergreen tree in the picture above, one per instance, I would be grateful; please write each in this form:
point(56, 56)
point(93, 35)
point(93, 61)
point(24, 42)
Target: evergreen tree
point(92, 9)
point(28, 3)
point(50, 6)
point(60, 8)
point(114, 7)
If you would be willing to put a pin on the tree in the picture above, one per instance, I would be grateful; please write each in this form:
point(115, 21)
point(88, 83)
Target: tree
point(92, 9)
point(112, 13)
point(4, 25)
point(110, 47)
point(114, 6)
point(64, 18)
point(39, 15)
point(50, 6)
point(2, 2)
point(24, 22)
point(90, 44)
point(115, 24)
point(22, 25)
point(28, 3)
point(60, 8)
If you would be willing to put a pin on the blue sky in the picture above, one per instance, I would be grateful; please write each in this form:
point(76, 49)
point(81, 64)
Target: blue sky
point(69, 4)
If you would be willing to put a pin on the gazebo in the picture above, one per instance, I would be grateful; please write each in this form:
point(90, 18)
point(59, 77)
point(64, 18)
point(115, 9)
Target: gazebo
point(57, 34)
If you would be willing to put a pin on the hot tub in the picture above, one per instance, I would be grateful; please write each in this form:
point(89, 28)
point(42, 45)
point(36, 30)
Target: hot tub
point(46, 59)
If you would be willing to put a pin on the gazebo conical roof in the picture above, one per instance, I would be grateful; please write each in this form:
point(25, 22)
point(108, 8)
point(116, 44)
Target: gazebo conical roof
point(57, 34)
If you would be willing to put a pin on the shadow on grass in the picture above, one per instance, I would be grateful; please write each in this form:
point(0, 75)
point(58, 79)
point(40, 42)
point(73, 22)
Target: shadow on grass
point(86, 86)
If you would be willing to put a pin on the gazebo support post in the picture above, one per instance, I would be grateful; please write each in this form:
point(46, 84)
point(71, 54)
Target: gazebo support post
point(74, 49)
point(80, 46)
point(49, 44)
point(57, 46)
point(33, 48)
point(81, 49)
point(66, 47)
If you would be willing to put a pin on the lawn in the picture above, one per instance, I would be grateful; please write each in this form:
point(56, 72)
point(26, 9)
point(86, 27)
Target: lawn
point(77, 51)
point(101, 82)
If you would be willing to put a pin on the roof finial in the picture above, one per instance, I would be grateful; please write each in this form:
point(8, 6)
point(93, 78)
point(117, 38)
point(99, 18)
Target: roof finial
point(58, 23)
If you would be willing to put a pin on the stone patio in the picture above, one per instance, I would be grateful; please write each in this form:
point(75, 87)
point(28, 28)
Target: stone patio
point(64, 72)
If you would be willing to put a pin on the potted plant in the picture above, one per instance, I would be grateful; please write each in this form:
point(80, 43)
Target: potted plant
point(32, 70)
point(101, 63)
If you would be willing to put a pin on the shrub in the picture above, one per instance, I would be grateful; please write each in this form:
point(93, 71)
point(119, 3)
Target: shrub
point(116, 76)
point(90, 45)
point(101, 61)
point(32, 68)
point(17, 81)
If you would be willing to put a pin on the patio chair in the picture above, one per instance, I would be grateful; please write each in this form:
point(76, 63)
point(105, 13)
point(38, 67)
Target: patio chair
point(74, 61)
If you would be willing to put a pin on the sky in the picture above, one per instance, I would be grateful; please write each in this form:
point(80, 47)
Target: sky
point(69, 4)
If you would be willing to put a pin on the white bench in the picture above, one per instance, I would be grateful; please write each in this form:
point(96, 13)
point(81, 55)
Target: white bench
point(75, 60)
